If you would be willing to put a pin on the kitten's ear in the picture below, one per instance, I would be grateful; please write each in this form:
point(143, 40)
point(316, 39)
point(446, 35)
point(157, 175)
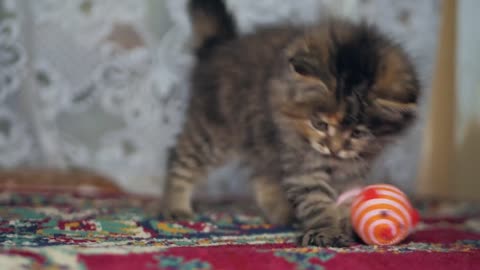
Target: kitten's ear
point(310, 80)
point(303, 66)
point(302, 60)
point(393, 110)
point(311, 94)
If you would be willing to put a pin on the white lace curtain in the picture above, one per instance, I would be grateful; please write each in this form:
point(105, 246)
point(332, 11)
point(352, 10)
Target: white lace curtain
point(101, 83)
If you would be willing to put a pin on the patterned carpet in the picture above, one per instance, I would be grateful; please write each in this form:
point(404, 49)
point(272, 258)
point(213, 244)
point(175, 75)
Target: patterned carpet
point(71, 230)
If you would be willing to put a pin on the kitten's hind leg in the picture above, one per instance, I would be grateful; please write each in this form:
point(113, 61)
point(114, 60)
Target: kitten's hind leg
point(272, 200)
point(187, 165)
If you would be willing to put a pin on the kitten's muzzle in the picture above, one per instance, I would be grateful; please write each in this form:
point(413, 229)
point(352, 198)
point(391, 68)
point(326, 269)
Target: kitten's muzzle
point(335, 145)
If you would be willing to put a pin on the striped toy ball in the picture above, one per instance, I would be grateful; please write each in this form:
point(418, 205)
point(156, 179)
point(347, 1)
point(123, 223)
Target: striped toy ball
point(382, 215)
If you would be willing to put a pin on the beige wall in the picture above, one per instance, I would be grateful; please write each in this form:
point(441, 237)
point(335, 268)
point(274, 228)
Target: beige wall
point(451, 154)
point(467, 169)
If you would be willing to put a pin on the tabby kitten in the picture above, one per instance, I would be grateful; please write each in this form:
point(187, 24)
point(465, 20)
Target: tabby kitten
point(309, 108)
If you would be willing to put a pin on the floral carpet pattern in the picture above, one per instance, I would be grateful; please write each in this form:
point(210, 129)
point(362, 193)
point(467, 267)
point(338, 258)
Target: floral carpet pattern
point(41, 230)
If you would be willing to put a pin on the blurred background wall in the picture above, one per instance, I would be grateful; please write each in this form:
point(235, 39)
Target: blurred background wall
point(102, 84)
point(452, 137)
point(468, 86)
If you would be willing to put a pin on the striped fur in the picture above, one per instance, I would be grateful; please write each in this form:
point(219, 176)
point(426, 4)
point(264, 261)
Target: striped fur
point(307, 107)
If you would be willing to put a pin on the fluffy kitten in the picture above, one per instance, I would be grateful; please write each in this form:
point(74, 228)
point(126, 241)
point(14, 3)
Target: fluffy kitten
point(307, 107)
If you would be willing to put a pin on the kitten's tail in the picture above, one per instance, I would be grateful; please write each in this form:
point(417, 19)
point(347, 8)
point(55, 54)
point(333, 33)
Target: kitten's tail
point(212, 25)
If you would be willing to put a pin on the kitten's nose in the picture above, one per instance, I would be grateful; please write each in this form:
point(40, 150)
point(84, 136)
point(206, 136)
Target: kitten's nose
point(335, 145)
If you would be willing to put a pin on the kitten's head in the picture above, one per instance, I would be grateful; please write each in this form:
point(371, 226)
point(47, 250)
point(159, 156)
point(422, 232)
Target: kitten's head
point(347, 89)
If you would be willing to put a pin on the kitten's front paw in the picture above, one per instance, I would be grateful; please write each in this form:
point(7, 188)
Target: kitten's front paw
point(177, 215)
point(172, 213)
point(325, 238)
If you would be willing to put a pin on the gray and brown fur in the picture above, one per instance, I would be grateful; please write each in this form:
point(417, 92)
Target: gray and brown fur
point(308, 108)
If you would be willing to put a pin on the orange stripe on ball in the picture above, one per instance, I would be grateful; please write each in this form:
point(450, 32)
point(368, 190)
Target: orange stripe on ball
point(367, 206)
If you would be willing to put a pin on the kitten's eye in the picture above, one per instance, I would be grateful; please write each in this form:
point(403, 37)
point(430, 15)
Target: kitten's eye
point(359, 133)
point(319, 125)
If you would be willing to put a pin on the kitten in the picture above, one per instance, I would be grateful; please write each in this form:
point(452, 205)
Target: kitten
point(309, 108)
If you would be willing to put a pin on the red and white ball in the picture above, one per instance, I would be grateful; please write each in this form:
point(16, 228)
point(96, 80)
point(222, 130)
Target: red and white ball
point(383, 215)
